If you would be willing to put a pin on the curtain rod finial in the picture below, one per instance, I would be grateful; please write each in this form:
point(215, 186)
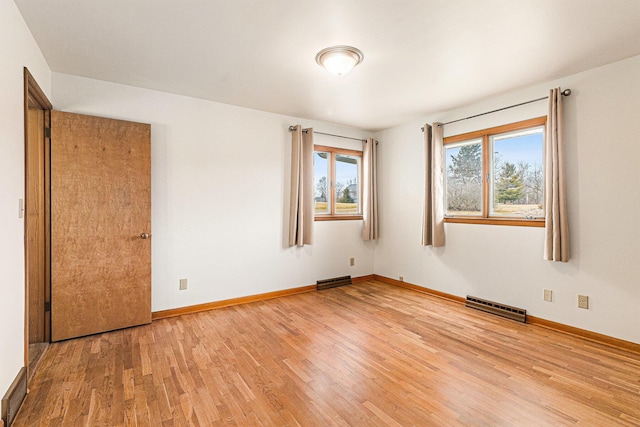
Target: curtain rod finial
point(566, 92)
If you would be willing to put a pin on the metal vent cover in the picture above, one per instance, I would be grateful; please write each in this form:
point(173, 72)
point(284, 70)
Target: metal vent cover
point(513, 313)
point(333, 283)
point(14, 397)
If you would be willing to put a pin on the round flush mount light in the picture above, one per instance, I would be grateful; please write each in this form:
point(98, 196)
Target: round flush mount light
point(339, 60)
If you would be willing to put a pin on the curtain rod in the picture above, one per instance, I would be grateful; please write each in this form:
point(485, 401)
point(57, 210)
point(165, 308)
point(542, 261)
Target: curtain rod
point(565, 92)
point(292, 128)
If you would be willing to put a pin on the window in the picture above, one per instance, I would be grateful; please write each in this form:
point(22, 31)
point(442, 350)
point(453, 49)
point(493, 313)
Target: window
point(495, 176)
point(337, 187)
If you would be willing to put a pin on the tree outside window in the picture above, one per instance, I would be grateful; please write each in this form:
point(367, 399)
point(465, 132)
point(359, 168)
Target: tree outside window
point(337, 180)
point(496, 174)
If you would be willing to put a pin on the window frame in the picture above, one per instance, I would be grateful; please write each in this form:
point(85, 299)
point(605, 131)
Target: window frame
point(332, 215)
point(487, 168)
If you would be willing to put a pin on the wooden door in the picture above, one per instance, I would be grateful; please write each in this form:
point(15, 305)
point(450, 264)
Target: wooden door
point(100, 224)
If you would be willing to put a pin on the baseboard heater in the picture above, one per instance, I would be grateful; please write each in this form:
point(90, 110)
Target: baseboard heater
point(513, 313)
point(333, 283)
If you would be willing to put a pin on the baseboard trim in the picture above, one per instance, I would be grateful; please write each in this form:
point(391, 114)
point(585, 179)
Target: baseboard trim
point(421, 289)
point(14, 397)
point(537, 321)
point(583, 333)
point(172, 312)
point(363, 278)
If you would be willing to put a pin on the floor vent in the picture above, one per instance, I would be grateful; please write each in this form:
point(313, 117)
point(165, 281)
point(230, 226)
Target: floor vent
point(514, 313)
point(13, 398)
point(333, 283)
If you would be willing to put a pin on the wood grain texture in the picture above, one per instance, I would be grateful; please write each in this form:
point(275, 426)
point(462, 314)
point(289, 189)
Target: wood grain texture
point(494, 221)
point(418, 288)
point(36, 117)
point(582, 333)
point(100, 204)
point(368, 354)
point(47, 221)
point(172, 312)
point(35, 225)
point(585, 334)
point(359, 279)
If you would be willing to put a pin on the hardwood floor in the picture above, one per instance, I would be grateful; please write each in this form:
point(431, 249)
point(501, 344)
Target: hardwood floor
point(36, 350)
point(368, 354)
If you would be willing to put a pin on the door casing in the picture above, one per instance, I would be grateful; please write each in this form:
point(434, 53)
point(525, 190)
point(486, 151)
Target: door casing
point(37, 237)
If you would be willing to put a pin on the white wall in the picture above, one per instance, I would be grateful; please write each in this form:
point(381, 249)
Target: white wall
point(17, 50)
point(505, 263)
point(220, 192)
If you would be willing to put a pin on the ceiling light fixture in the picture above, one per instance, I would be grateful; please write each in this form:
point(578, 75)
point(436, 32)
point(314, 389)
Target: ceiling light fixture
point(339, 60)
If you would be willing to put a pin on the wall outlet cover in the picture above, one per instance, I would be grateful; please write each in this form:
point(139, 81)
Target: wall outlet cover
point(583, 301)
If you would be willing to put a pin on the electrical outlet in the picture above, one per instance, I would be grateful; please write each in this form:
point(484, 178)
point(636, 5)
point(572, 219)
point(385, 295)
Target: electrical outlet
point(183, 284)
point(548, 295)
point(401, 279)
point(583, 301)
point(352, 262)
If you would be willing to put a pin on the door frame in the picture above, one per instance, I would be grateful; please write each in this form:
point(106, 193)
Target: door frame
point(35, 96)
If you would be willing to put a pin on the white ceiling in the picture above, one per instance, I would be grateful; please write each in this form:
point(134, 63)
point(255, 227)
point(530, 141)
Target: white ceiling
point(421, 56)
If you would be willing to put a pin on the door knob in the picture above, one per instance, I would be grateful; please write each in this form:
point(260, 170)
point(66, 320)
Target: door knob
point(145, 236)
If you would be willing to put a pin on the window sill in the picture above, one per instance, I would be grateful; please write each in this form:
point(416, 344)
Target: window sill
point(496, 221)
point(337, 217)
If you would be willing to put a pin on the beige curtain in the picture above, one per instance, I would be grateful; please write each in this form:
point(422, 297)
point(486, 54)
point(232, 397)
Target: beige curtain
point(370, 190)
point(301, 203)
point(433, 215)
point(556, 244)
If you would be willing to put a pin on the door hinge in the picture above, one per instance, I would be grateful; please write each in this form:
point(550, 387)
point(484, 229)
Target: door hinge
point(47, 132)
point(47, 307)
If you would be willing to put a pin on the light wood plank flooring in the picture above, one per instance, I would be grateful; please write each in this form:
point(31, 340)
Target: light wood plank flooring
point(369, 354)
point(36, 350)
